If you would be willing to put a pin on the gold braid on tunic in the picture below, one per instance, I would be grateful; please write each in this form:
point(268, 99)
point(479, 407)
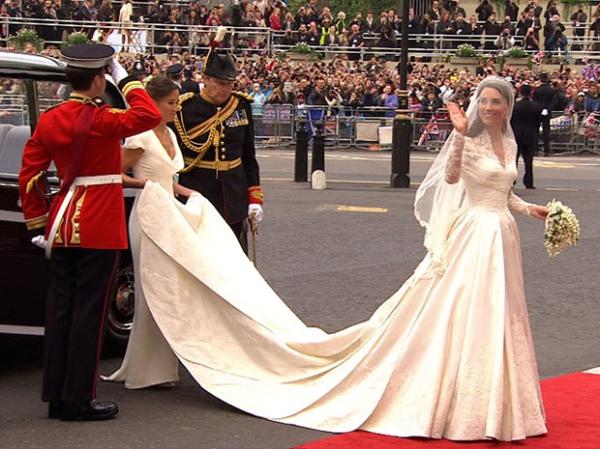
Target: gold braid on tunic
point(213, 127)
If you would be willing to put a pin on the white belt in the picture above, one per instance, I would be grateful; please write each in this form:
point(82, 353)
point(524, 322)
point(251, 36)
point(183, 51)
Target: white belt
point(77, 182)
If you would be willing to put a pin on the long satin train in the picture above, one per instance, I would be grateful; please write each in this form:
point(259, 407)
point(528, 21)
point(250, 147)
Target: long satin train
point(448, 355)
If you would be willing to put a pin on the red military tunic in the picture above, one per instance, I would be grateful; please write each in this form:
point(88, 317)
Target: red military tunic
point(95, 215)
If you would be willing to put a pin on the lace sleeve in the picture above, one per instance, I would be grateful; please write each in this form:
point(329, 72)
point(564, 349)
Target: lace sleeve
point(454, 161)
point(516, 204)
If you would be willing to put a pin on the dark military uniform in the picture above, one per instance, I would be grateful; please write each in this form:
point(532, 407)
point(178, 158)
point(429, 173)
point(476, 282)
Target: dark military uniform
point(217, 143)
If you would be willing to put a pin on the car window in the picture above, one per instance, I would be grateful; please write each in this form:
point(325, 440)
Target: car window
point(51, 93)
point(13, 102)
point(14, 123)
point(15, 117)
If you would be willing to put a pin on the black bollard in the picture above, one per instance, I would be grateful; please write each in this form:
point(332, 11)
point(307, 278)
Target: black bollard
point(301, 161)
point(401, 142)
point(318, 150)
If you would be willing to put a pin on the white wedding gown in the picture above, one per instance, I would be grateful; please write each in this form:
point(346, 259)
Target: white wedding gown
point(448, 355)
point(149, 360)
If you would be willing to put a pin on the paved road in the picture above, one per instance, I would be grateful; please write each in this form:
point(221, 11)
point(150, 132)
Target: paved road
point(333, 267)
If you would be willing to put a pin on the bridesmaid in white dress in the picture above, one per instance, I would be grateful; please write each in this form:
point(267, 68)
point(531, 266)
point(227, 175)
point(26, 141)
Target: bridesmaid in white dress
point(153, 155)
point(449, 355)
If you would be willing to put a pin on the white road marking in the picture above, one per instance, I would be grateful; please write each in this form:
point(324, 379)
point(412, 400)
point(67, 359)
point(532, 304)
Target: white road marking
point(551, 164)
point(377, 210)
point(340, 181)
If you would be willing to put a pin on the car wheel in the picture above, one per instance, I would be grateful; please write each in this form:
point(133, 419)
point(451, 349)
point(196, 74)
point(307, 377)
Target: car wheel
point(121, 307)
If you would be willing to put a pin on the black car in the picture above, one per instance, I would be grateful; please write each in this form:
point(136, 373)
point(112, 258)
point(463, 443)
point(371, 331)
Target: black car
point(29, 84)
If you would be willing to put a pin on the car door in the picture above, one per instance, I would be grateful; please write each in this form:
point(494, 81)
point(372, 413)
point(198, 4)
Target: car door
point(25, 271)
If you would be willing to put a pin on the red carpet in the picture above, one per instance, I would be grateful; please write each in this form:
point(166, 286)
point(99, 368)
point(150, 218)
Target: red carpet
point(572, 408)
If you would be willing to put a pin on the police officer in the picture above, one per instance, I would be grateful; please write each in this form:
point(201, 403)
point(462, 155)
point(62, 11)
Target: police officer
point(138, 71)
point(215, 132)
point(84, 226)
point(175, 74)
point(189, 85)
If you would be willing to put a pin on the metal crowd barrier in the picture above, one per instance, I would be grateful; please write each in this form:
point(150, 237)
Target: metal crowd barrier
point(144, 37)
point(275, 125)
point(343, 127)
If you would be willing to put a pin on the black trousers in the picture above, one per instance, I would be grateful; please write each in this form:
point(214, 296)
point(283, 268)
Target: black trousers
point(75, 310)
point(527, 152)
point(546, 133)
point(240, 229)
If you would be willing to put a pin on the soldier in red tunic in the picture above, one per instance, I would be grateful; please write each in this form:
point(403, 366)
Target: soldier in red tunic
point(84, 226)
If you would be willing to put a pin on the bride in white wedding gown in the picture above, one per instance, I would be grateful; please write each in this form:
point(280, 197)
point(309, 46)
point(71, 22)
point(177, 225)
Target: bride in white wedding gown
point(449, 355)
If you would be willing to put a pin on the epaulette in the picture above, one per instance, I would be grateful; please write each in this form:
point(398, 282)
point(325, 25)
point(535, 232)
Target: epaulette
point(53, 106)
point(185, 97)
point(243, 95)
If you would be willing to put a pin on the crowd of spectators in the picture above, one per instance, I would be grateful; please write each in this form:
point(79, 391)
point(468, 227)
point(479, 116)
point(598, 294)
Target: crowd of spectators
point(371, 88)
point(368, 86)
point(530, 26)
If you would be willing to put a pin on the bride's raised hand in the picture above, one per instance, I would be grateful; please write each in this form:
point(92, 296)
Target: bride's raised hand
point(458, 118)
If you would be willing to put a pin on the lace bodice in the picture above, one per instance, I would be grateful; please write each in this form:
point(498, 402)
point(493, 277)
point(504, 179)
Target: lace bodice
point(155, 164)
point(488, 180)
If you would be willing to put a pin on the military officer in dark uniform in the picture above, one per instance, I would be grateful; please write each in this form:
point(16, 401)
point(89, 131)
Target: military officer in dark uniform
point(525, 121)
point(175, 74)
point(83, 229)
point(215, 132)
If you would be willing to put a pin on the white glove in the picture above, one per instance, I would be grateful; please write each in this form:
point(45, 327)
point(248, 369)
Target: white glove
point(545, 112)
point(255, 213)
point(117, 71)
point(39, 241)
point(194, 203)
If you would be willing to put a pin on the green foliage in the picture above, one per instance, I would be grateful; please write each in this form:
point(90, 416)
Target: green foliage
point(305, 50)
point(301, 48)
point(465, 51)
point(24, 37)
point(76, 38)
point(515, 52)
point(350, 7)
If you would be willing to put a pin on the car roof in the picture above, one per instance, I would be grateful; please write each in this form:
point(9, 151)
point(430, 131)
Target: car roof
point(25, 65)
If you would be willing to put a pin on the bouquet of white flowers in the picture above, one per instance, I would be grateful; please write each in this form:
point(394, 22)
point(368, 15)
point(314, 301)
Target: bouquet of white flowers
point(562, 228)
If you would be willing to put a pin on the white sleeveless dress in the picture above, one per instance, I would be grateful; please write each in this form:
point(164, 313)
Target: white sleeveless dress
point(449, 355)
point(149, 360)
